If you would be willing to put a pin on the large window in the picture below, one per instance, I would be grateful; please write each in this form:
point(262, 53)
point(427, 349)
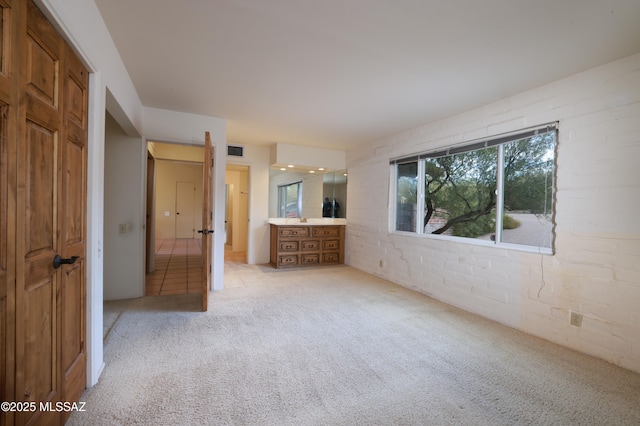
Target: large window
point(499, 190)
point(290, 200)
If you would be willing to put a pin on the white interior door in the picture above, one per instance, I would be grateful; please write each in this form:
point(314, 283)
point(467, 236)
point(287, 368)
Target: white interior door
point(185, 209)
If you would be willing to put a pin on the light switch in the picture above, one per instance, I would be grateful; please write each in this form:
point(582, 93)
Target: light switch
point(167, 213)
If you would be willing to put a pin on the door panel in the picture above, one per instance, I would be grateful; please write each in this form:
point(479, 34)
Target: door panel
point(73, 331)
point(207, 236)
point(43, 51)
point(6, 48)
point(3, 245)
point(151, 165)
point(36, 313)
point(41, 191)
point(73, 190)
point(40, 382)
point(36, 373)
point(8, 145)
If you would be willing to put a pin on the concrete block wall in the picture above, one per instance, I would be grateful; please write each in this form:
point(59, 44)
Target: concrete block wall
point(595, 269)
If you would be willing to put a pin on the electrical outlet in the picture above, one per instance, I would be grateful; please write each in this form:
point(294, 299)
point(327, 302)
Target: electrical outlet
point(381, 263)
point(576, 319)
point(122, 228)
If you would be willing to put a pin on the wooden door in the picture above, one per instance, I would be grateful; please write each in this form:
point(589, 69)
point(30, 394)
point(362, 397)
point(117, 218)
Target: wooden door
point(206, 230)
point(8, 145)
point(72, 240)
point(50, 362)
point(185, 209)
point(151, 173)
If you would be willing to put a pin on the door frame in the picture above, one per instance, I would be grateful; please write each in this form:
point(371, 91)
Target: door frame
point(241, 228)
point(149, 212)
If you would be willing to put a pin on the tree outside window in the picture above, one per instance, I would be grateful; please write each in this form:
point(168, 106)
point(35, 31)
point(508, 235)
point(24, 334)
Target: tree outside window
point(497, 190)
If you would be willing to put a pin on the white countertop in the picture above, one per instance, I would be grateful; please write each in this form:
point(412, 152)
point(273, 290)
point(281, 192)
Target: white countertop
point(307, 221)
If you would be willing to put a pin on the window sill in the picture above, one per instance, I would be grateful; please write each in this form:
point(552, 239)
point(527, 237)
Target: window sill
point(478, 242)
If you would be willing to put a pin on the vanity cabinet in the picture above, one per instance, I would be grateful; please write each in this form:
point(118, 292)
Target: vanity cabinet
point(306, 245)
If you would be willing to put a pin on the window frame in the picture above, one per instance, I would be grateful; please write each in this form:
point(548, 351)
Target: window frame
point(499, 141)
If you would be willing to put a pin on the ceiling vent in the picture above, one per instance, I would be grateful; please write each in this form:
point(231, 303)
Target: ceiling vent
point(235, 151)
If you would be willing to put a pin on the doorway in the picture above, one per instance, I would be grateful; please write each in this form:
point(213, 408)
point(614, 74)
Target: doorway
point(236, 213)
point(174, 192)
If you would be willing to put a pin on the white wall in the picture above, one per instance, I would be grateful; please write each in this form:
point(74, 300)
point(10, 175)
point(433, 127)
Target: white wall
point(171, 126)
point(596, 267)
point(124, 253)
point(300, 155)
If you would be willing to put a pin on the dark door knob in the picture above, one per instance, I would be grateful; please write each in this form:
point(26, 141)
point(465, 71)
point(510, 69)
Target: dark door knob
point(57, 261)
point(205, 231)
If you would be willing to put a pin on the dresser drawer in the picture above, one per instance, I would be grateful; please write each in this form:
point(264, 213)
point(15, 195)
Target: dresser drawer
point(288, 245)
point(294, 232)
point(310, 245)
point(321, 231)
point(331, 245)
point(311, 258)
point(288, 260)
point(330, 257)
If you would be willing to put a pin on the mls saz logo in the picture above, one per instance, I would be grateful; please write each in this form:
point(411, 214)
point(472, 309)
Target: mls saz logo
point(62, 406)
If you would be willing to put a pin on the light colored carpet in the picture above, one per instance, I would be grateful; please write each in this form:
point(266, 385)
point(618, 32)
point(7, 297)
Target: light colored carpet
point(335, 346)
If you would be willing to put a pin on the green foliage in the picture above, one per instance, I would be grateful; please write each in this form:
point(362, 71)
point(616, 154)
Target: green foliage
point(462, 186)
point(509, 222)
point(528, 183)
point(483, 225)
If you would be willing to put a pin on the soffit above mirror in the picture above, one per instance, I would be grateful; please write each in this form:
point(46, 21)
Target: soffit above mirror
point(306, 159)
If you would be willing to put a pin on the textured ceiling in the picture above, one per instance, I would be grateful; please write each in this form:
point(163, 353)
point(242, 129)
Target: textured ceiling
point(332, 73)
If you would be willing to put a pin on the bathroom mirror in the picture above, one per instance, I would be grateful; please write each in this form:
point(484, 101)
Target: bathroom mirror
point(301, 193)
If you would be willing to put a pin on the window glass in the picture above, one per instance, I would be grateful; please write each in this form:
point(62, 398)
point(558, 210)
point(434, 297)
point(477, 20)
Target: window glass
point(499, 189)
point(290, 200)
point(460, 194)
point(407, 196)
point(528, 191)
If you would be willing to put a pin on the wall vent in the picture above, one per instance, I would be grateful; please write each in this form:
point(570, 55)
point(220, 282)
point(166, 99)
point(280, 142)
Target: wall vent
point(235, 151)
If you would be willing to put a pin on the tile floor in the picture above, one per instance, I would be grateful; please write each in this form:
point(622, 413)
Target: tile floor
point(178, 268)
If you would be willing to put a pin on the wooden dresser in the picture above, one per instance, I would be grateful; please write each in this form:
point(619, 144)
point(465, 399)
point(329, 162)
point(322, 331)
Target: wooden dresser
point(306, 245)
